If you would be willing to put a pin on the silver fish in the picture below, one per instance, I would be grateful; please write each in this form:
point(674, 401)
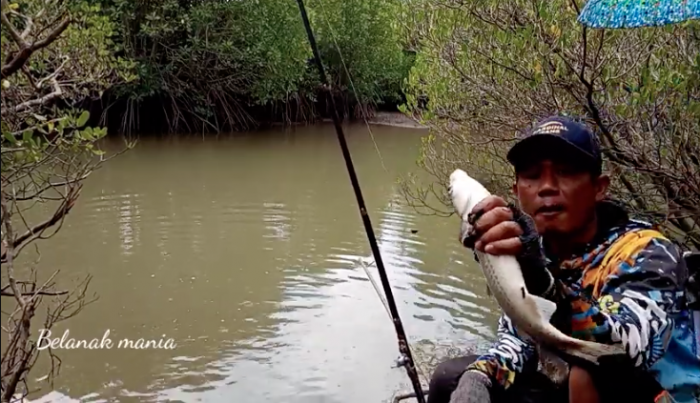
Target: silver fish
point(529, 313)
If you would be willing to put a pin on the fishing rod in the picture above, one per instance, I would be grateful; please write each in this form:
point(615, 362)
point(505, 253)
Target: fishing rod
point(406, 359)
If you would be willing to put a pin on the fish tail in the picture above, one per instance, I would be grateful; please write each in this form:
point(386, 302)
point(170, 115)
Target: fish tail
point(591, 351)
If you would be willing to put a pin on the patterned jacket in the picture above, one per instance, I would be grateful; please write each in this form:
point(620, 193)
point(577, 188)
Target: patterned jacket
point(624, 287)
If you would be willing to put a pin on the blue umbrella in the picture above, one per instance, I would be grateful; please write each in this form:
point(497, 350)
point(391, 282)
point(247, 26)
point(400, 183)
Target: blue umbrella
point(637, 13)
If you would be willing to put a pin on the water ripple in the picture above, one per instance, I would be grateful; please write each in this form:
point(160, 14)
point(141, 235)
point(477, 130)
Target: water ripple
point(250, 257)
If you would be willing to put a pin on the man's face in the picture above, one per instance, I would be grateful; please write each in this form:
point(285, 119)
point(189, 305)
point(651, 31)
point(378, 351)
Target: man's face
point(559, 197)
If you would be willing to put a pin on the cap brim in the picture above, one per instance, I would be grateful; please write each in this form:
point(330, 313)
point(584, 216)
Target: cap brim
point(544, 146)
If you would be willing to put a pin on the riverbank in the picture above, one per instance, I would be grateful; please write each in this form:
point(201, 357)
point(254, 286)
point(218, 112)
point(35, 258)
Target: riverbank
point(381, 118)
point(384, 118)
point(119, 119)
point(396, 119)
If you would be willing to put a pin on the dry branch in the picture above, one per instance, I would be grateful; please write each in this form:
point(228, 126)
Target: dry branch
point(25, 49)
point(47, 154)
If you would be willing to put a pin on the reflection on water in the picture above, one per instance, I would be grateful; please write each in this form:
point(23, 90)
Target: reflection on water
point(247, 252)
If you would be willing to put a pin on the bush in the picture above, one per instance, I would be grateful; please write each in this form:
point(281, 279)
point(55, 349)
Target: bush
point(208, 64)
point(54, 54)
point(490, 69)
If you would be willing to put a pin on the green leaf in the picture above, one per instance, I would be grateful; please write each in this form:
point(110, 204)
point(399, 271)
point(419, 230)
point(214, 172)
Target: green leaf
point(9, 137)
point(82, 119)
point(87, 133)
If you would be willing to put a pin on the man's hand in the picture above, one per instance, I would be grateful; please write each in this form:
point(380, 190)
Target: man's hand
point(493, 224)
point(499, 228)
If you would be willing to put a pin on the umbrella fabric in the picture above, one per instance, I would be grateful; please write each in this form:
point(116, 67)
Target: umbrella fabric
point(637, 13)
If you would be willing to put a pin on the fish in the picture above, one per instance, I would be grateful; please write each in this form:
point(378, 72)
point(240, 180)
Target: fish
point(530, 314)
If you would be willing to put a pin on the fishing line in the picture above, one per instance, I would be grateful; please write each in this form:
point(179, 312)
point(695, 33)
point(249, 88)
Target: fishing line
point(365, 267)
point(363, 112)
point(406, 359)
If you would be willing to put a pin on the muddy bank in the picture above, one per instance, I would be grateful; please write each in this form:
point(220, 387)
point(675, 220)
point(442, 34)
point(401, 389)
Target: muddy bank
point(384, 118)
point(157, 115)
point(397, 119)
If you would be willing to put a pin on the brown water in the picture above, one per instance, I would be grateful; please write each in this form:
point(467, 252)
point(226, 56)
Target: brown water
point(245, 252)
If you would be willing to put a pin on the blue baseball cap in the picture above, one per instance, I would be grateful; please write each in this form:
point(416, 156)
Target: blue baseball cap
point(559, 138)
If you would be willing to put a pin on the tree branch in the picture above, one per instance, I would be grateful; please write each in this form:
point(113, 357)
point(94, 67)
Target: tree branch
point(37, 230)
point(56, 93)
point(9, 252)
point(51, 186)
point(31, 294)
point(26, 50)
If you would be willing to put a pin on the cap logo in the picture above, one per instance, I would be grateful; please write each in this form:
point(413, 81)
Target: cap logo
point(551, 128)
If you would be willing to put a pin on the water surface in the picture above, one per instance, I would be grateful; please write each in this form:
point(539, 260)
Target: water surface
point(246, 252)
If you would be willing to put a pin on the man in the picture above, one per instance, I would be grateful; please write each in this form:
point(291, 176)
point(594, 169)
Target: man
point(614, 279)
